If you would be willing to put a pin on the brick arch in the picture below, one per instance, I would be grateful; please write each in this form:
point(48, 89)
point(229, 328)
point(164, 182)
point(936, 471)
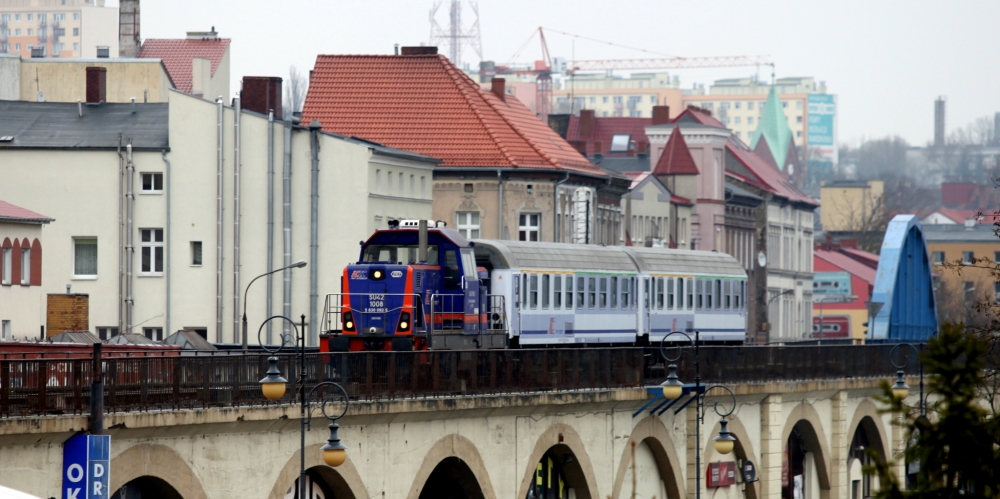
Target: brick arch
point(15, 263)
point(36, 263)
point(157, 461)
point(653, 433)
point(806, 419)
point(581, 476)
point(344, 480)
point(453, 446)
point(867, 416)
point(743, 449)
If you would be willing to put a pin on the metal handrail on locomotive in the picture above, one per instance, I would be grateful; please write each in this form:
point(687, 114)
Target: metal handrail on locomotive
point(417, 288)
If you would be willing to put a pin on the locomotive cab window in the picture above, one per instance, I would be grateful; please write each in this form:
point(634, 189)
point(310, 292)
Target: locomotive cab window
point(399, 253)
point(452, 275)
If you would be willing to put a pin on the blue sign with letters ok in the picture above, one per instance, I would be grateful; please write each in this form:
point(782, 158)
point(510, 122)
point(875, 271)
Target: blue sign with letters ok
point(86, 467)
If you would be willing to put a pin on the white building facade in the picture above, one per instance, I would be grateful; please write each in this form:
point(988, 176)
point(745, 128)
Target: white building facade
point(168, 235)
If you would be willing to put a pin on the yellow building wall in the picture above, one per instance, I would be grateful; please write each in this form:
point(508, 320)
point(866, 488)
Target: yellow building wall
point(953, 304)
point(66, 80)
point(846, 208)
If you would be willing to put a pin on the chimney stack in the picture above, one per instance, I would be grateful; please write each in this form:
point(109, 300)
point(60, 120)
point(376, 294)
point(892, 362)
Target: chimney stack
point(661, 115)
point(643, 148)
point(939, 122)
point(598, 147)
point(419, 50)
point(579, 145)
point(128, 28)
point(499, 88)
point(586, 122)
point(96, 85)
point(261, 94)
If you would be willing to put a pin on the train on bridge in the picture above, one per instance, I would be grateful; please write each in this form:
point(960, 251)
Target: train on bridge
point(419, 285)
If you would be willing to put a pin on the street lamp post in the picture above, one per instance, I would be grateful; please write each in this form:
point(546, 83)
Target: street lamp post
point(673, 389)
point(273, 387)
point(900, 389)
point(296, 265)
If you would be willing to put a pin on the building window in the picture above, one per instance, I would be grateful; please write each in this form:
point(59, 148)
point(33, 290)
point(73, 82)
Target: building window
point(5, 272)
point(5, 330)
point(969, 289)
point(85, 257)
point(798, 119)
point(388, 183)
point(593, 100)
point(528, 227)
point(401, 185)
point(423, 187)
point(468, 224)
point(26, 266)
point(798, 134)
point(749, 120)
point(652, 99)
point(739, 135)
point(738, 120)
point(604, 100)
point(618, 99)
point(76, 16)
point(378, 181)
point(750, 106)
point(413, 186)
point(468, 187)
point(736, 105)
point(17, 32)
point(29, 17)
point(784, 105)
point(708, 105)
point(996, 257)
point(76, 31)
point(996, 293)
point(196, 253)
point(76, 46)
point(798, 105)
point(151, 244)
point(938, 257)
point(968, 257)
point(153, 333)
point(30, 33)
point(107, 332)
point(41, 17)
point(152, 183)
point(59, 17)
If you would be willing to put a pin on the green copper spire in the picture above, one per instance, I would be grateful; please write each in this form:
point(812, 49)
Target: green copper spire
point(773, 127)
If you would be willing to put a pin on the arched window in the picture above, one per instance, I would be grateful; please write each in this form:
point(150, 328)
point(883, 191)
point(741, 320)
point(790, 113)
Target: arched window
point(6, 262)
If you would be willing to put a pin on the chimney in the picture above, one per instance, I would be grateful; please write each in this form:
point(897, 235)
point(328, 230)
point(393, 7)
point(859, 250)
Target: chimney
point(661, 115)
point(499, 88)
point(939, 131)
point(128, 28)
point(96, 84)
point(419, 50)
point(643, 148)
point(261, 94)
point(586, 122)
point(579, 145)
point(598, 147)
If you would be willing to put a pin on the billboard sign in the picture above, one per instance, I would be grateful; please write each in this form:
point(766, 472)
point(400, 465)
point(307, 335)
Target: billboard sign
point(822, 131)
point(87, 467)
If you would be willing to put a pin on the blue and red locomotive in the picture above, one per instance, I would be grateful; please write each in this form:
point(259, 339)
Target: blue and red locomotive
point(412, 289)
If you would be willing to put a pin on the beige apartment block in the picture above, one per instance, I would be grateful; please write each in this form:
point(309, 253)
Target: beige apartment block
point(851, 205)
point(179, 263)
point(59, 28)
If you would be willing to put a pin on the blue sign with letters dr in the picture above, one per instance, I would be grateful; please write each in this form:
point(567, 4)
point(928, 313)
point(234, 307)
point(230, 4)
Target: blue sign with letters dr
point(86, 467)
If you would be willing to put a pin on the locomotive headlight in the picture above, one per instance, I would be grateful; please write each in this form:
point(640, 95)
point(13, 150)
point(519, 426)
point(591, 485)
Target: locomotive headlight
point(403, 325)
point(404, 321)
point(348, 321)
point(377, 274)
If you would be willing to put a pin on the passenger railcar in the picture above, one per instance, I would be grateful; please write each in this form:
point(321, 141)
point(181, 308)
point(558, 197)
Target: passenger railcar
point(440, 290)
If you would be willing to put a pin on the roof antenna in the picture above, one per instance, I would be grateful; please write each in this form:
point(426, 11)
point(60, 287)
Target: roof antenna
point(396, 49)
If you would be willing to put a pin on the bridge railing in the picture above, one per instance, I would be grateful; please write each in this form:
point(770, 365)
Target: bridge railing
point(62, 386)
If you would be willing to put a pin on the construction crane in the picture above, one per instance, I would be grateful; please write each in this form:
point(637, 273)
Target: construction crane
point(543, 68)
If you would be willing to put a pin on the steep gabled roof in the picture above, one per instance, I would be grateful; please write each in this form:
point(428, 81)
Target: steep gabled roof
point(178, 54)
point(423, 103)
point(698, 115)
point(676, 158)
point(847, 264)
point(750, 166)
point(773, 128)
point(604, 128)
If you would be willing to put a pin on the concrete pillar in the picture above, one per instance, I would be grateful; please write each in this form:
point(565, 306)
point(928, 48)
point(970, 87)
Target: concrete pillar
point(812, 477)
point(771, 447)
point(898, 446)
point(692, 443)
point(839, 443)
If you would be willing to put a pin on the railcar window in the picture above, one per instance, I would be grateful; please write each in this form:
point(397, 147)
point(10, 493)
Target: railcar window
point(700, 292)
point(670, 293)
point(659, 292)
point(690, 293)
point(614, 293)
point(398, 253)
point(739, 297)
point(580, 292)
point(524, 290)
point(557, 292)
point(646, 293)
point(727, 292)
point(569, 292)
point(546, 288)
point(604, 292)
point(626, 292)
point(533, 292)
point(591, 292)
point(717, 293)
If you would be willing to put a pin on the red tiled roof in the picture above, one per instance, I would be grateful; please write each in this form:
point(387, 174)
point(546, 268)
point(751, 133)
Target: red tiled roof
point(12, 213)
point(959, 216)
point(424, 104)
point(847, 263)
point(676, 158)
point(698, 116)
point(680, 200)
point(177, 56)
point(636, 178)
point(767, 175)
point(866, 258)
point(604, 128)
point(957, 193)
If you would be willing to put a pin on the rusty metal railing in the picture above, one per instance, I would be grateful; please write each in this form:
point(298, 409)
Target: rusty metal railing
point(62, 386)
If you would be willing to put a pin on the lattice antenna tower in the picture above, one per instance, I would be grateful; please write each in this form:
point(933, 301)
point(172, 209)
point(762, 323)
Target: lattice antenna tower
point(453, 39)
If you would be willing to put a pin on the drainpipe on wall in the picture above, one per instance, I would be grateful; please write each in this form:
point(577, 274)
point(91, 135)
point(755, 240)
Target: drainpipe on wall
point(218, 229)
point(500, 205)
point(555, 210)
point(314, 128)
point(286, 201)
point(121, 236)
point(129, 249)
point(237, 137)
point(270, 217)
point(166, 248)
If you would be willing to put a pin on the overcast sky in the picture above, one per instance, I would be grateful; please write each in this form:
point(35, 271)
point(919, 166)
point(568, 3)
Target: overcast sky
point(887, 61)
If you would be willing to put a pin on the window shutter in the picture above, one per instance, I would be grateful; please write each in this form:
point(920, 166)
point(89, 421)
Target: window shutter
point(36, 263)
point(15, 264)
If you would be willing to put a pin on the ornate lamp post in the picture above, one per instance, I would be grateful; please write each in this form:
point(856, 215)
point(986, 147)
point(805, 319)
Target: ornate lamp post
point(273, 387)
point(900, 389)
point(673, 389)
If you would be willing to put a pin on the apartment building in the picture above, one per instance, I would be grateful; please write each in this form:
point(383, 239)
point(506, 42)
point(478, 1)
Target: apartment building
point(58, 28)
point(168, 210)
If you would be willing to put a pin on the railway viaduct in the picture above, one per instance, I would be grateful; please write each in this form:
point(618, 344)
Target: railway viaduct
point(801, 425)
